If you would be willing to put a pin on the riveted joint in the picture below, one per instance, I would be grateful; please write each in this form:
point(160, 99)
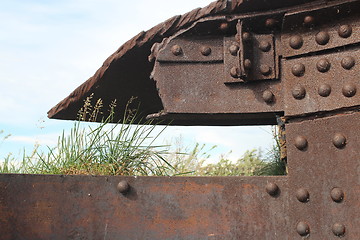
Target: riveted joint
point(338, 229)
point(123, 187)
point(272, 189)
point(303, 229)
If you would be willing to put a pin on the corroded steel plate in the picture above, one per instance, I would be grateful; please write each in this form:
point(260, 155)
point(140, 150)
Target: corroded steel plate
point(324, 160)
point(85, 207)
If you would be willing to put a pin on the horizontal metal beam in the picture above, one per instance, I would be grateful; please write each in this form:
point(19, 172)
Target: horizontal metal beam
point(88, 207)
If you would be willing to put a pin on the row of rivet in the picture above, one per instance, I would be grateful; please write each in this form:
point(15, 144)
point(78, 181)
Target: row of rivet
point(324, 90)
point(323, 65)
point(302, 228)
point(321, 38)
point(336, 194)
point(177, 50)
point(303, 195)
point(339, 141)
point(269, 23)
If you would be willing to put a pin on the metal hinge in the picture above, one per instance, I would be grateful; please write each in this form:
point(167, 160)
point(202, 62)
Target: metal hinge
point(249, 56)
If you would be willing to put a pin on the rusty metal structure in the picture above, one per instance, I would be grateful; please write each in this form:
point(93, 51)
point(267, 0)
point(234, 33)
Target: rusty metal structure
point(294, 63)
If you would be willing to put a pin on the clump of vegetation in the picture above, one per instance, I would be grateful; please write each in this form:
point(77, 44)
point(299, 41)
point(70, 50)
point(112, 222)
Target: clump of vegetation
point(129, 149)
point(252, 163)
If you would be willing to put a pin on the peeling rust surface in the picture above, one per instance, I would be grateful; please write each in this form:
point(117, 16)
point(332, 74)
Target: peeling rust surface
point(81, 207)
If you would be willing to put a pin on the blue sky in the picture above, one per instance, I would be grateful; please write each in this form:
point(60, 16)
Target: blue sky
point(48, 48)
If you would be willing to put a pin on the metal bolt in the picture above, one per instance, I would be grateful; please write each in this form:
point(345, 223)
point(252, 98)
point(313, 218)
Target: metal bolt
point(296, 42)
point(301, 143)
point(338, 229)
point(246, 36)
point(349, 90)
point(345, 31)
point(123, 187)
point(323, 65)
point(205, 50)
point(337, 195)
point(348, 62)
point(339, 140)
point(176, 50)
point(322, 38)
point(324, 90)
point(265, 69)
point(272, 189)
point(303, 195)
point(224, 27)
point(270, 22)
point(264, 46)
point(299, 92)
point(234, 72)
point(309, 20)
point(303, 229)
point(233, 49)
point(298, 69)
point(247, 63)
point(268, 96)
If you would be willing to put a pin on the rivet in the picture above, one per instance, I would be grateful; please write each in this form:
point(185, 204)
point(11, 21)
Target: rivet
point(348, 62)
point(234, 72)
point(298, 69)
point(265, 69)
point(324, 90)
point(205, 50)
point(247, 63)
point(246, 36)
point(345, 31)
point(123, 187)
point(270, 22)
point(323, 65)
point(224, 27)
point(272, 189)
point(303, 195)
point(268, 96)
point(296, 42)
point(299, 92)
point(303, 229)
point(337, 195)
point(301, 143)
point(176, 50)
point(309, 20)
point(339, 140)
point(264, 46)
point(233, 49)
point(349, 90)
point(322, 38)
point(338, 229)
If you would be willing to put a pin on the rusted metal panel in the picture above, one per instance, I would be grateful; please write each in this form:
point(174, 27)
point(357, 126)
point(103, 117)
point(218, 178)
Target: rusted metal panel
point(191, 88)
point(321, 82)
point(201, 75)
point(322, 28)
point(85, 207)
point(324, 163)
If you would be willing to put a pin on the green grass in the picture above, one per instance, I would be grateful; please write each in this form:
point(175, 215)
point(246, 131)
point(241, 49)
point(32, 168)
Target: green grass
point(128, 149)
